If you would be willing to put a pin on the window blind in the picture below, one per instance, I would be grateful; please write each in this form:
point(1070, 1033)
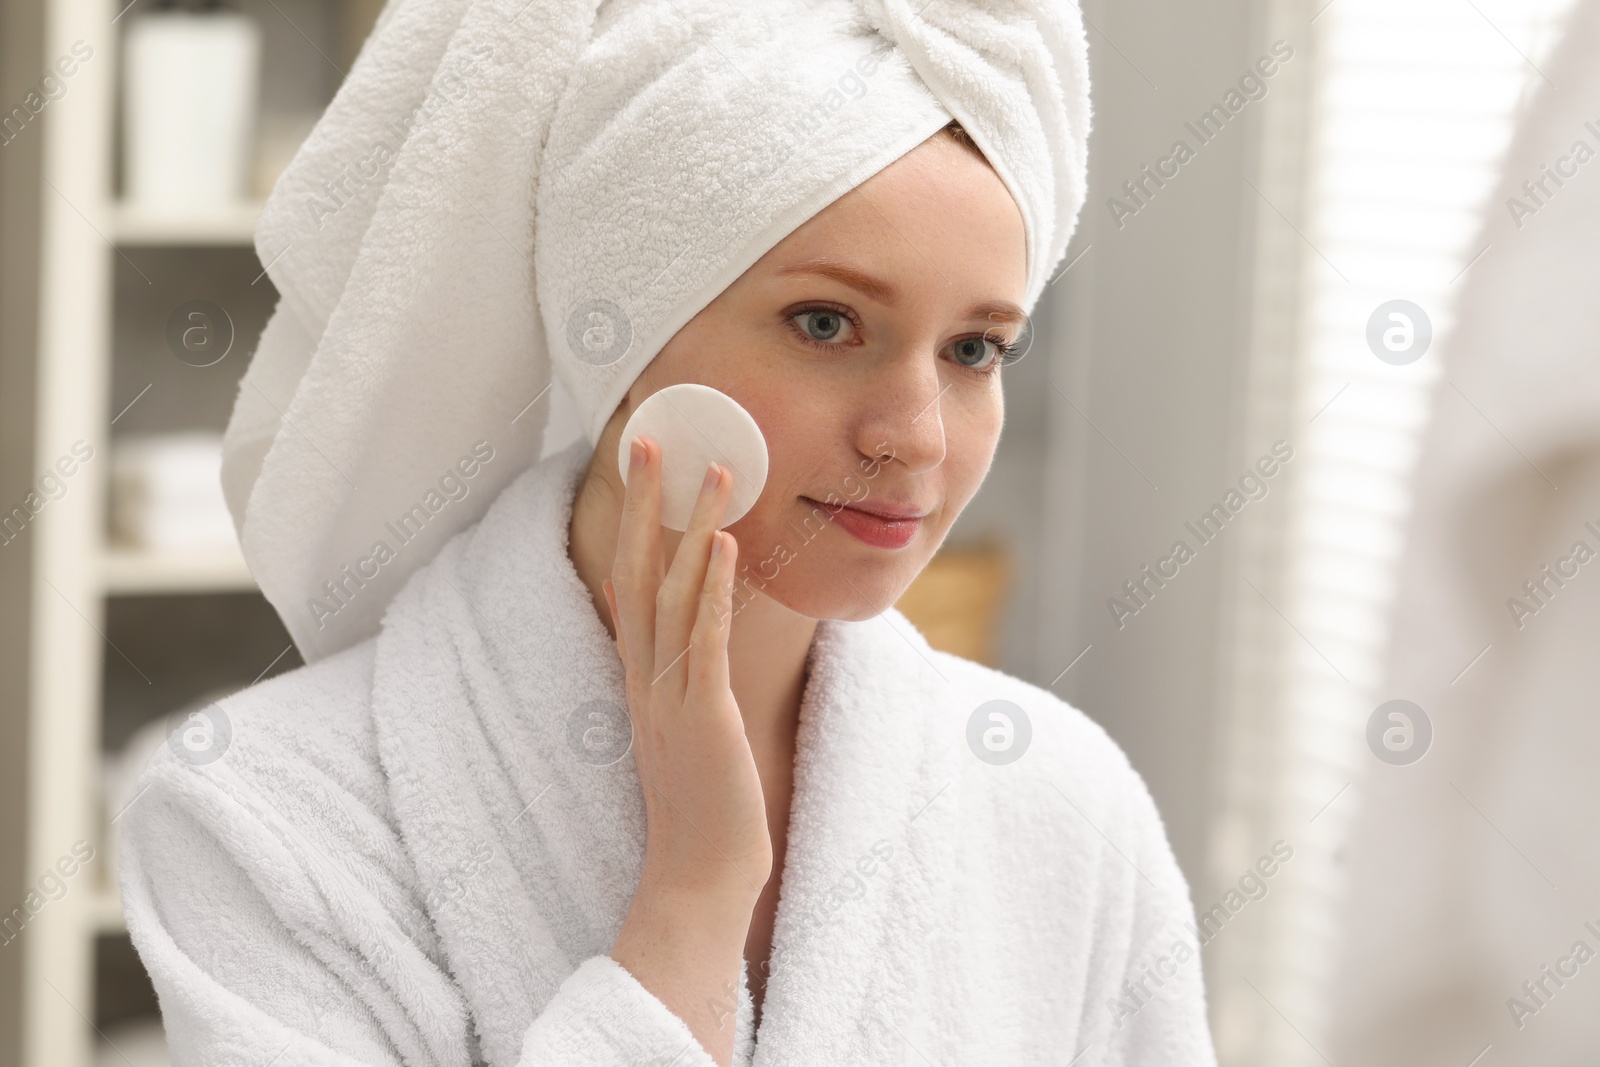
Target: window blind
point(1412, 109)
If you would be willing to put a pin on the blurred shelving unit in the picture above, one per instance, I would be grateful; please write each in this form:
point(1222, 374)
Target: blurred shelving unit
point(108, 275)
point(126, 572)
point(106, 913)
point(131, 227)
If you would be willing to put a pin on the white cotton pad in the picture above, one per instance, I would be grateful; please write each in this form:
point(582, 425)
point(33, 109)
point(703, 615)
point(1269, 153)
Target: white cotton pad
point(697, 426)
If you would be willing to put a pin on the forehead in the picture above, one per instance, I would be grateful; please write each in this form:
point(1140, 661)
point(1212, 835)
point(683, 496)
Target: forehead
point(939, 216)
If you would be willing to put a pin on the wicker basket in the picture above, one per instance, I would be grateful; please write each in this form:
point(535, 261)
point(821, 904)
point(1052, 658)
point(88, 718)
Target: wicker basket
point(958, 599)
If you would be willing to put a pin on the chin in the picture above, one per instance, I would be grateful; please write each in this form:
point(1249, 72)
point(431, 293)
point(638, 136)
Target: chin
point(824, 572)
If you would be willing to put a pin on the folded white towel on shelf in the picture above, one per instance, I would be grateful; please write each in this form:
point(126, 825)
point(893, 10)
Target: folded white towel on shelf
point(420, 850)
point(166, 492)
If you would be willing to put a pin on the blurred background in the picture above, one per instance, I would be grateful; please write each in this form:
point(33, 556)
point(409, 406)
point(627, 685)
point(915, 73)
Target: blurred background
point(1297, 495)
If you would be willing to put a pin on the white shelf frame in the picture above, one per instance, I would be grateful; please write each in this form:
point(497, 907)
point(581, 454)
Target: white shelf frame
point(81, 229)
point(133, 572)
point(105, 913)
point(133, 226)
point(68, 618)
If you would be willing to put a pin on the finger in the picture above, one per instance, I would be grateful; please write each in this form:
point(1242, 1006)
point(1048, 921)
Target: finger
point(708, 645)
point(678, 598)
point(636, 569)
point(616, 627)
point(641, 759)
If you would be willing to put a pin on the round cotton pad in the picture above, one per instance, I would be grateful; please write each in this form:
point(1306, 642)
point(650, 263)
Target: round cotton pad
point(697, 426)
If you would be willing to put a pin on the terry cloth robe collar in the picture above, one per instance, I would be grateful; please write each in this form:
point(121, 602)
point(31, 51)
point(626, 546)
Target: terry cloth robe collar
point(493, 673)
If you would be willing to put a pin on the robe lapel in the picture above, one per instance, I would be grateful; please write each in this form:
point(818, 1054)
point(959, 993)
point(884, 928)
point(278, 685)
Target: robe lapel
point(527, 848)
point(528, 853)
point(870, 853)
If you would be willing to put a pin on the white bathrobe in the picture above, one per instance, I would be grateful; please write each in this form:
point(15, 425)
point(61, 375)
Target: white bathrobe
point(419, 851)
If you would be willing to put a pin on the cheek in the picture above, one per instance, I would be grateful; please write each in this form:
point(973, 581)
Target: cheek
point(803, 429)
point(792, 556)
point(797, 440)
point(972, 432)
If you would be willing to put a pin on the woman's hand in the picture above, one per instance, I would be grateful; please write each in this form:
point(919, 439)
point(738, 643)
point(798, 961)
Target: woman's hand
point(705, 811)
point(707, 850)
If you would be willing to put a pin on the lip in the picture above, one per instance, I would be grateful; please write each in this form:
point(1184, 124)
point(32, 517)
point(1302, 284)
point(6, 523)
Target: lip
point(890, 512)
point(888, 526)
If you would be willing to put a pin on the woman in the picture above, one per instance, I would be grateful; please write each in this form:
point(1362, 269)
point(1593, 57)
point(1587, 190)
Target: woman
point(585, 790)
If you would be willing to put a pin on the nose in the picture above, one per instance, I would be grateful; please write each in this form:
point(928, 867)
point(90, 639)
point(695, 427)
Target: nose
point(905, 420)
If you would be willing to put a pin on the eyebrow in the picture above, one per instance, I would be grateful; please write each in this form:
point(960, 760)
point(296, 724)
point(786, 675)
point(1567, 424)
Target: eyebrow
point(886, 294)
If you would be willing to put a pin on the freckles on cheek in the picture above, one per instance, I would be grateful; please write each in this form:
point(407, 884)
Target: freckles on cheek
point(970, 448)
point(797, 441)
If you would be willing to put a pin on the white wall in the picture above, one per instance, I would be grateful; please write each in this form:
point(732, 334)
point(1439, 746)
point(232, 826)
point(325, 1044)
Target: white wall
point(1147, 336)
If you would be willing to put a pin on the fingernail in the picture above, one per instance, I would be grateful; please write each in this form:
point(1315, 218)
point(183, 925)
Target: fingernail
point(713, 475)
point(716, 543)
point(636, 454)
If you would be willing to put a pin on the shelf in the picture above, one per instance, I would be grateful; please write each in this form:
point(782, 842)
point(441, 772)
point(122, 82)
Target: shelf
point(132, 572)
point(235, 225)
point(85, 310)
point(105, 912)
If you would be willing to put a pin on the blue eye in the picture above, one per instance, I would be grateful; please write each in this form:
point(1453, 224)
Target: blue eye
point(976, 352)
point(982, 354)
point(821, 324)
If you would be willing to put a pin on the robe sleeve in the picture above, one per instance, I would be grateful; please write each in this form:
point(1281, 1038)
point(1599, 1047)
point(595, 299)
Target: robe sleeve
point(280, 925)
point(602, 1015)
point(1154, 1010)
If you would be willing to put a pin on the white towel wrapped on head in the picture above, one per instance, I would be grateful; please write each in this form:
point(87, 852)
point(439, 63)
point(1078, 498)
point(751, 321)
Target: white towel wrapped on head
point(507, 193)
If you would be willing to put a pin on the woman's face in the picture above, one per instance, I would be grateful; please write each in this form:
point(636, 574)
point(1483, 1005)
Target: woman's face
point(867, 346)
